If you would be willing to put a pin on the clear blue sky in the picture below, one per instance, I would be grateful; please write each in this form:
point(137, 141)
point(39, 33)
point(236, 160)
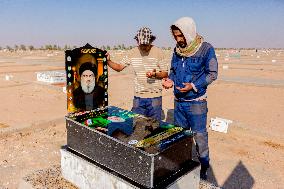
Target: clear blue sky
point(223, 23)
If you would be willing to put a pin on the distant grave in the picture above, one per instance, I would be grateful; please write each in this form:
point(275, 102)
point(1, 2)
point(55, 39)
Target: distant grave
point(51, 77)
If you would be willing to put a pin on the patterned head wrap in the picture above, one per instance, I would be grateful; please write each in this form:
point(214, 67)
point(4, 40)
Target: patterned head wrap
point(144, 36)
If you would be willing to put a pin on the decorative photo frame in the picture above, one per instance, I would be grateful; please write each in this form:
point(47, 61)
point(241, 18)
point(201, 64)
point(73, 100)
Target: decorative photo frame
point(87, 81)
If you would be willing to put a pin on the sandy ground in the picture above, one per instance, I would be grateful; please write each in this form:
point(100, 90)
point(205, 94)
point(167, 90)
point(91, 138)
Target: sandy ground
point(249, 92)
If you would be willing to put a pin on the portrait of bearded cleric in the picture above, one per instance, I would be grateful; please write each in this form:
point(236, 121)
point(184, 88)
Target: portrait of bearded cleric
point(88, 95)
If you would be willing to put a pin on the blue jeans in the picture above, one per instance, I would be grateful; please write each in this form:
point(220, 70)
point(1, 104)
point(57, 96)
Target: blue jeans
point(150, 107)
point(193, 115)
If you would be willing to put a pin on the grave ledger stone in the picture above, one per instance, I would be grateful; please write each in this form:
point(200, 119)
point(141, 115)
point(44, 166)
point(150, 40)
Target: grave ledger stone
point(138, 149)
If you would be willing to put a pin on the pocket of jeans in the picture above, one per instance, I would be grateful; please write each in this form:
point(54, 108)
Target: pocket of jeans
point(198, 108)
point(156, 102)
point(135, 102)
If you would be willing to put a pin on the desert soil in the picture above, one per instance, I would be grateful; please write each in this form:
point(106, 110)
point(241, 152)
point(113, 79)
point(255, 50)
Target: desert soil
point(249, 91)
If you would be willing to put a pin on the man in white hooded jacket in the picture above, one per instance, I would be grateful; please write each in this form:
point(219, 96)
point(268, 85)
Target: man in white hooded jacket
point(194, 66)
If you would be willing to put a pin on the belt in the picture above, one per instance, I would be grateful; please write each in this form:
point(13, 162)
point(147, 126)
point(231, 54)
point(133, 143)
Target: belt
point(201, 98)
point(178, 100)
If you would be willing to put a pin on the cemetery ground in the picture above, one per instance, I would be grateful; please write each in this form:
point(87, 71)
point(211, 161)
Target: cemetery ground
point(249, 91)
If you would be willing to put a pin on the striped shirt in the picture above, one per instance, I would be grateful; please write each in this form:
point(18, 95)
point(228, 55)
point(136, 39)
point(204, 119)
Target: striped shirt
point(146, 87)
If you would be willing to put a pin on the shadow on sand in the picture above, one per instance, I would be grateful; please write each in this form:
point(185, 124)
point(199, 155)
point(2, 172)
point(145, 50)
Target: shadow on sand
point(240, 178)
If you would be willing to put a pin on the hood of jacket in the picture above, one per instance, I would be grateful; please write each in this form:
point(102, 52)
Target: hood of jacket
point(193, 41)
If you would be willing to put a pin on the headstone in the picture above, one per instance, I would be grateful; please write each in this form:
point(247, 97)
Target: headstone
point(225, 67)
point(8, 77)
point(146, 151)
point(139, 148)
point(86, 71)
point(51, 77)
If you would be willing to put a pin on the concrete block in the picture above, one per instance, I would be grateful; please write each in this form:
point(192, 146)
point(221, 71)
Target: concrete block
point(87, 174)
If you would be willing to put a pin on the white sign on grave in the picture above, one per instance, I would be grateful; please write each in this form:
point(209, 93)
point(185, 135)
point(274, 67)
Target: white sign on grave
point(219, 124)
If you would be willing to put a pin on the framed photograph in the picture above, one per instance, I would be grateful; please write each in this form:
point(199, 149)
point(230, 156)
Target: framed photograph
point(87, 79)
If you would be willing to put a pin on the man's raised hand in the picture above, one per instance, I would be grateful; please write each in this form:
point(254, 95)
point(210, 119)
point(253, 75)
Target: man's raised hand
point(167, 83)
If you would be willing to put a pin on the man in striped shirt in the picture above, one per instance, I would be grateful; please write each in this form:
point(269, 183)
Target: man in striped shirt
point(149, 68)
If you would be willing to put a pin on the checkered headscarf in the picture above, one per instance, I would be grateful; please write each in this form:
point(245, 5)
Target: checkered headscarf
point(144, 36)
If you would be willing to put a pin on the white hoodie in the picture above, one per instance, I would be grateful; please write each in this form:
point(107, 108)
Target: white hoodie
point(187, 27)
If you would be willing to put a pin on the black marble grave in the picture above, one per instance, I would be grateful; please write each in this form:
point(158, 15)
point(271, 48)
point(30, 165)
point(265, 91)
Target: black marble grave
point(142, 149)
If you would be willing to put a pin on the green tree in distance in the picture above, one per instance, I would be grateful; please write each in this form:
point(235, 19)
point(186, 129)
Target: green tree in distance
point(30, 47)
point(9, 48)
point(23, 47)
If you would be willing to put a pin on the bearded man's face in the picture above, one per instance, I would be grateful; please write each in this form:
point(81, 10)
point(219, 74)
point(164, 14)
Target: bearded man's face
point(88, 81)
point(179, 37)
